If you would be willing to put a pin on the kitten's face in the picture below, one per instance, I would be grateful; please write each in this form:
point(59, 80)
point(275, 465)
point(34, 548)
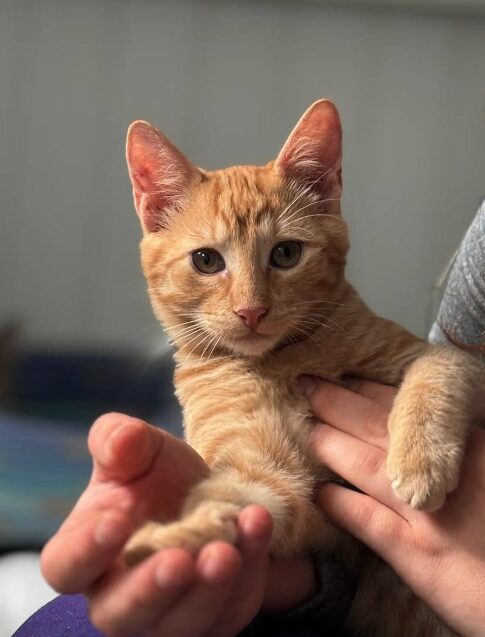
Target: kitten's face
point(243, 259)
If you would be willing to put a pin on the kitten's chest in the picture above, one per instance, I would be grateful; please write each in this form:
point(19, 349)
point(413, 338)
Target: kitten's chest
point(285, 369)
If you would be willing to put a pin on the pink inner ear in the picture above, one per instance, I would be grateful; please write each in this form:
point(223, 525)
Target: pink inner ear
point(142, 147)
point(159, 172)
point(144, 177)
point(312, 155)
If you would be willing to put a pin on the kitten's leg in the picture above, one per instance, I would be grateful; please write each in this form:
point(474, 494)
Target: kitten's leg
point(210, 521)
point(211, 511)
point(428, 426)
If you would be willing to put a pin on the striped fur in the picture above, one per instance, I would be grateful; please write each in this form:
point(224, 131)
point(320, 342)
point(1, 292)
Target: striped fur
point(241, 409)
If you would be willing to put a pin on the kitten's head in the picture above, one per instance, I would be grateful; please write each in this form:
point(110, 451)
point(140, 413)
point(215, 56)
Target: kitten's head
point(247, 258)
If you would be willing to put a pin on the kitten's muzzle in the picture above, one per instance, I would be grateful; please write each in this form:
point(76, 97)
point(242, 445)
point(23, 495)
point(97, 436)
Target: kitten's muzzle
point(252, 317)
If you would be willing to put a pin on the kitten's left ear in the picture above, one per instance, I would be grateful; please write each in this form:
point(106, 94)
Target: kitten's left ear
point(312, 155)
point(160, 174)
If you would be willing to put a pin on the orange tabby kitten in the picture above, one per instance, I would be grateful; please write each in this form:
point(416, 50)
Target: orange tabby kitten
point(245, 269)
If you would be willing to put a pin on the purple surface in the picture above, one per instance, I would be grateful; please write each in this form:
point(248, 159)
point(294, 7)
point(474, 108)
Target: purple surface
point(63, 616)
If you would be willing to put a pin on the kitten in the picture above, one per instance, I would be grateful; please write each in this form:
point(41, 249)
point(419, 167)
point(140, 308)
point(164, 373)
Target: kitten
point(245, 269)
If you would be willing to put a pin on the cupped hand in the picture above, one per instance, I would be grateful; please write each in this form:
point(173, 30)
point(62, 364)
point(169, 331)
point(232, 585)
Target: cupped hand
point(440, 555)
point(141, 472)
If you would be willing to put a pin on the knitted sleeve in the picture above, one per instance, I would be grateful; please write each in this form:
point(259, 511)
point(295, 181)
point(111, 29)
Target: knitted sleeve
point(461, 315)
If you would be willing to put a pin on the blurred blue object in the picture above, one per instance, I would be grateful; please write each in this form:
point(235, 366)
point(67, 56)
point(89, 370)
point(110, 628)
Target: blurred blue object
point(43, 467)
point(44, 461)
point(78, 386)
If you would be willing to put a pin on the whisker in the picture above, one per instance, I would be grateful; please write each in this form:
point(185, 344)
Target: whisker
point(335, 327)
point(307, 189)
point(300, 192)
point(313, 302)
point(199, 342)
point(295, 212)
point(322, 214)
point(179, 327)
point(312, 203)
point(186, 332)
point(302, 231)
point(183, 323)
point(208, 345)
point(193, 338)
point(215, 345)
point(309, 334)
point(290, 227)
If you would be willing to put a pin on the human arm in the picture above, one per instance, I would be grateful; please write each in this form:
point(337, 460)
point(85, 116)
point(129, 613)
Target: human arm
point(440, 555)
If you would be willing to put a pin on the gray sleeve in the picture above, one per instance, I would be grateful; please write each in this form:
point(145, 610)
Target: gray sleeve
point(461, 315)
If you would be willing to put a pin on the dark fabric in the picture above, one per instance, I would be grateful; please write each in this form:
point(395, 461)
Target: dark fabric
point(322, 616)
point(331, 605)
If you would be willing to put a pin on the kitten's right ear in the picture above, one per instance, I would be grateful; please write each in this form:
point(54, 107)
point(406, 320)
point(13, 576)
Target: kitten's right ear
point(160, 174)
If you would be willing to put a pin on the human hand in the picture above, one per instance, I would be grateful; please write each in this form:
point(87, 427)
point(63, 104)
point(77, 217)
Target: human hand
point(440, 555)
point(142, 472)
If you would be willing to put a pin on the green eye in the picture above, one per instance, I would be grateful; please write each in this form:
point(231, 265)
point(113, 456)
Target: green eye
point(208, 261)
point(285, 254)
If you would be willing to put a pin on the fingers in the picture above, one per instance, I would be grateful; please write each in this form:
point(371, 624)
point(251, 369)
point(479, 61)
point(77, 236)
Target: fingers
point(353, 413)
point(171, 593)
point(384, 395)
point(140, 468)
point(128, 602)
point(380, 528)
point(139, 472)
point(356, 461)
point(255, 526)
point(217, 567)
point(122, 447)
point(78, 554)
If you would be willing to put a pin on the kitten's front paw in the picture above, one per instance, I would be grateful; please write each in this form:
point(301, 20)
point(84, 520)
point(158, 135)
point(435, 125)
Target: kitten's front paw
point(208, 522)
point(423, 481)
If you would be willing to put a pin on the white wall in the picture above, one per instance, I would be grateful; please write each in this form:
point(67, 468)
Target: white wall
point(226, 81)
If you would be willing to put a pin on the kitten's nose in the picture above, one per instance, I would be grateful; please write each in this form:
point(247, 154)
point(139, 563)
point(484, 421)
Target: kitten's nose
point(252, 315)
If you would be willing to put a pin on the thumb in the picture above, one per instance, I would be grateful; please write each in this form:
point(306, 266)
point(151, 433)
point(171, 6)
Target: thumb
point(123, 448)
point(128, 450)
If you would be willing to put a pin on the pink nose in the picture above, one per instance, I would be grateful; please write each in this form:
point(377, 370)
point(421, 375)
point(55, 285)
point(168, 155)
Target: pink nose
point(252, 316)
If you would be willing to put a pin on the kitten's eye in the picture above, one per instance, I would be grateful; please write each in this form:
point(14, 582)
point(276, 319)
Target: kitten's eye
point(285, 254)
point(208, 261)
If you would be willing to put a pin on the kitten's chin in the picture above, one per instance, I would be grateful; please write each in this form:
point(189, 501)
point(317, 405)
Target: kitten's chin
point(253, 345)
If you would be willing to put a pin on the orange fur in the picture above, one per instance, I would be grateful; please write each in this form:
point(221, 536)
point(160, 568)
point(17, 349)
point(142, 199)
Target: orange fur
point(237, 387)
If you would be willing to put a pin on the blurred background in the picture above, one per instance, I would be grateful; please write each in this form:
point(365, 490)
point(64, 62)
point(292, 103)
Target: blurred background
point(226, 81)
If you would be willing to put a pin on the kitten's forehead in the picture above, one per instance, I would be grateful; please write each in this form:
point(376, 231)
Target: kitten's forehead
point(241, 199)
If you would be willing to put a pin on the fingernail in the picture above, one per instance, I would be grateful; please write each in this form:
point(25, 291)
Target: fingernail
point(306, 385)
point(110, 531)
point(210, 563)
point(257, 527)
point(113, 437)
point(140, 443)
